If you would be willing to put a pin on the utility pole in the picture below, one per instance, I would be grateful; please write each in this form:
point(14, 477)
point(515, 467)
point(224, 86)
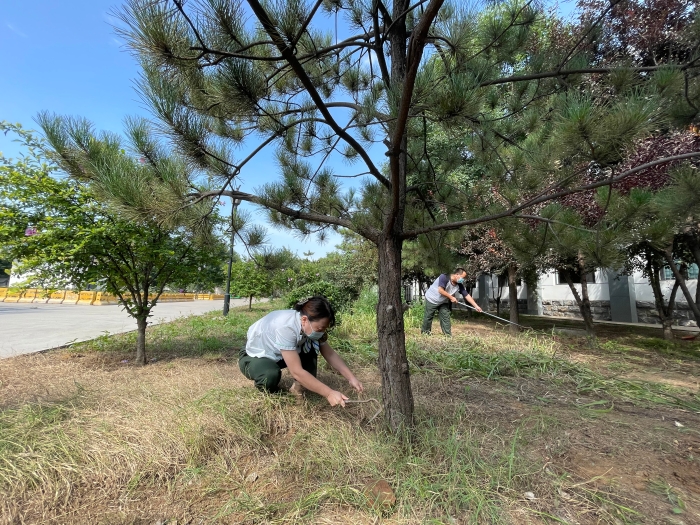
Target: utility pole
point(227, 295)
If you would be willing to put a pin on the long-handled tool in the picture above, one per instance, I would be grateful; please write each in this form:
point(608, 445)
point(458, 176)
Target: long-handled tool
point(494, 316)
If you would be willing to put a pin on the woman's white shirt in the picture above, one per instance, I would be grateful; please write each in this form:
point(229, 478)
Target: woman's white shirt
point(277, 331)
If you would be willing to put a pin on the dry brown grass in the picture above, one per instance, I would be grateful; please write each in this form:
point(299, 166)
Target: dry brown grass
point(85, 438)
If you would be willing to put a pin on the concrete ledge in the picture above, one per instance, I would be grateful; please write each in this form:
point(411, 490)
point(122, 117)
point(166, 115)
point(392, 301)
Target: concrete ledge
point(657, 326)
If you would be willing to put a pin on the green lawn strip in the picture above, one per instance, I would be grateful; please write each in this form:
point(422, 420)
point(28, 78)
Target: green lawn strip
point(206, 335)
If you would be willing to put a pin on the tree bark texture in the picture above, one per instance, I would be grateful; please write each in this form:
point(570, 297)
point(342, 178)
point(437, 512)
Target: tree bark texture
point(513, 297)
point(680, 279)
point(695, 250)
point(586, 314)
point(141, 324)
point(664, 311)
point(393, 364)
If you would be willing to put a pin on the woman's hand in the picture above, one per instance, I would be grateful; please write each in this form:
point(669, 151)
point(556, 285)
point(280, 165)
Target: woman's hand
point(336, 398)
point(356, 384)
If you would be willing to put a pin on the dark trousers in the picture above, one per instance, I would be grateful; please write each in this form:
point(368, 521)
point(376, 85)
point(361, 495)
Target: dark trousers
point(443, 311)
point(267, 373)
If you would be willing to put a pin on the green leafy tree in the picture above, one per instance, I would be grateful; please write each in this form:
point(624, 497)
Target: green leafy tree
point(77, 240)
point(208, 276)
point(5, 270)
point(338, 299)
point(352, 266)
point(507, 74)
point(251, 281)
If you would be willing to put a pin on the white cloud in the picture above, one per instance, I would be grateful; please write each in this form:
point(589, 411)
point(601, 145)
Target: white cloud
point(15, 30)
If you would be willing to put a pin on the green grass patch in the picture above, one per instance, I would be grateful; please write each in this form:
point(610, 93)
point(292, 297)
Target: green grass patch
point(209, 335)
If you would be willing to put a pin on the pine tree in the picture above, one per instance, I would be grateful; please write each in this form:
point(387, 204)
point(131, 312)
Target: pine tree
point(218, 74)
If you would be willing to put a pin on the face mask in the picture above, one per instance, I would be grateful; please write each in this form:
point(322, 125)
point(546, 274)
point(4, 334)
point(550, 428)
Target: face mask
point(315, 336)
point(460, 280)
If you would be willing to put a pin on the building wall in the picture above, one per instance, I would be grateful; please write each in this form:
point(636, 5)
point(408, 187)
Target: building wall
point(558, 301)
point(644, 292)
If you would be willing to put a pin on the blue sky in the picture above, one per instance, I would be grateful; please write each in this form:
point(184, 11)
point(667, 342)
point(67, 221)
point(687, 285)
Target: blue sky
point(64, 56)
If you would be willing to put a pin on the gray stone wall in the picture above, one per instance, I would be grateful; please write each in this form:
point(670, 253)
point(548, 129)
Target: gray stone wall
point(568, 308)
point(682, 314)
point(505, 305)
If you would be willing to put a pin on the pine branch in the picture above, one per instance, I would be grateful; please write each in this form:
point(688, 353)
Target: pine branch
point(545, 198)
point(505, 30)
point(379, 43)
point(306, 22)
point(601, 70)
point(366, 231)
point(288, 54)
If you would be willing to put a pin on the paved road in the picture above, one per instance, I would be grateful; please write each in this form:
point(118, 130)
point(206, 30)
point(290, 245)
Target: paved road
point(29, 327)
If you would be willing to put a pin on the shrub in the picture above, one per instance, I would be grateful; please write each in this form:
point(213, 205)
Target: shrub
point(338, 299)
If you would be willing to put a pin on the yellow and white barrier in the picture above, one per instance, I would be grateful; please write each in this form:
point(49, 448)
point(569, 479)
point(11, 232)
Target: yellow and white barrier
point(57, 297)
point(38, 295)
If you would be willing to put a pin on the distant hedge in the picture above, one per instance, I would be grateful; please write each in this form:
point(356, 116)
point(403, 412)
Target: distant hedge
point(338, 299)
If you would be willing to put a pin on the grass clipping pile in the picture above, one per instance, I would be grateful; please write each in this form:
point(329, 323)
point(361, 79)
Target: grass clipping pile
point(506, 433)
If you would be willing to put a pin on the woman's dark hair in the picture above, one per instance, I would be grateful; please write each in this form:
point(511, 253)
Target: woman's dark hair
point(315, 308)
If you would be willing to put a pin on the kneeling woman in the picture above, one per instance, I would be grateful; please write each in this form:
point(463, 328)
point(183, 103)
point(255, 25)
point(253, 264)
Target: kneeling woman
point(293, 339)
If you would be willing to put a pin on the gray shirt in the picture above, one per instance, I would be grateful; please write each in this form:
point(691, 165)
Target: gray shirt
point(435, 297)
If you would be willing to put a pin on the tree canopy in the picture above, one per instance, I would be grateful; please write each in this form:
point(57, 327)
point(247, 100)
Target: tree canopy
point(78, 240)
point(530, 100)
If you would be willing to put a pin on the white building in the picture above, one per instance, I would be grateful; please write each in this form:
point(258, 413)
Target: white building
point(613, 297)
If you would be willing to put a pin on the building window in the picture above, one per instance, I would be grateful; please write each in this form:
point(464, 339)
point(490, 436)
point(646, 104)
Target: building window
point(575, 277)
point(667, 274)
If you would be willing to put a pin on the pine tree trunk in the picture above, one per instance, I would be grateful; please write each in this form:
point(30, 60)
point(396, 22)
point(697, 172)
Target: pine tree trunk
point(665, 312)
point(250, 302)
point(695, 249)
point(141, 324)
point(585, 298)
point(588, 321)
point(586, 306)
point(668, 331)
point(667, 325)
point(393, 364)
point(513, 297)
point(680, 279)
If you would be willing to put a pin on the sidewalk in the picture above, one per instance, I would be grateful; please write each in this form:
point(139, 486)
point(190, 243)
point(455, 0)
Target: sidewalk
point(29, 327)
point(564, 320)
